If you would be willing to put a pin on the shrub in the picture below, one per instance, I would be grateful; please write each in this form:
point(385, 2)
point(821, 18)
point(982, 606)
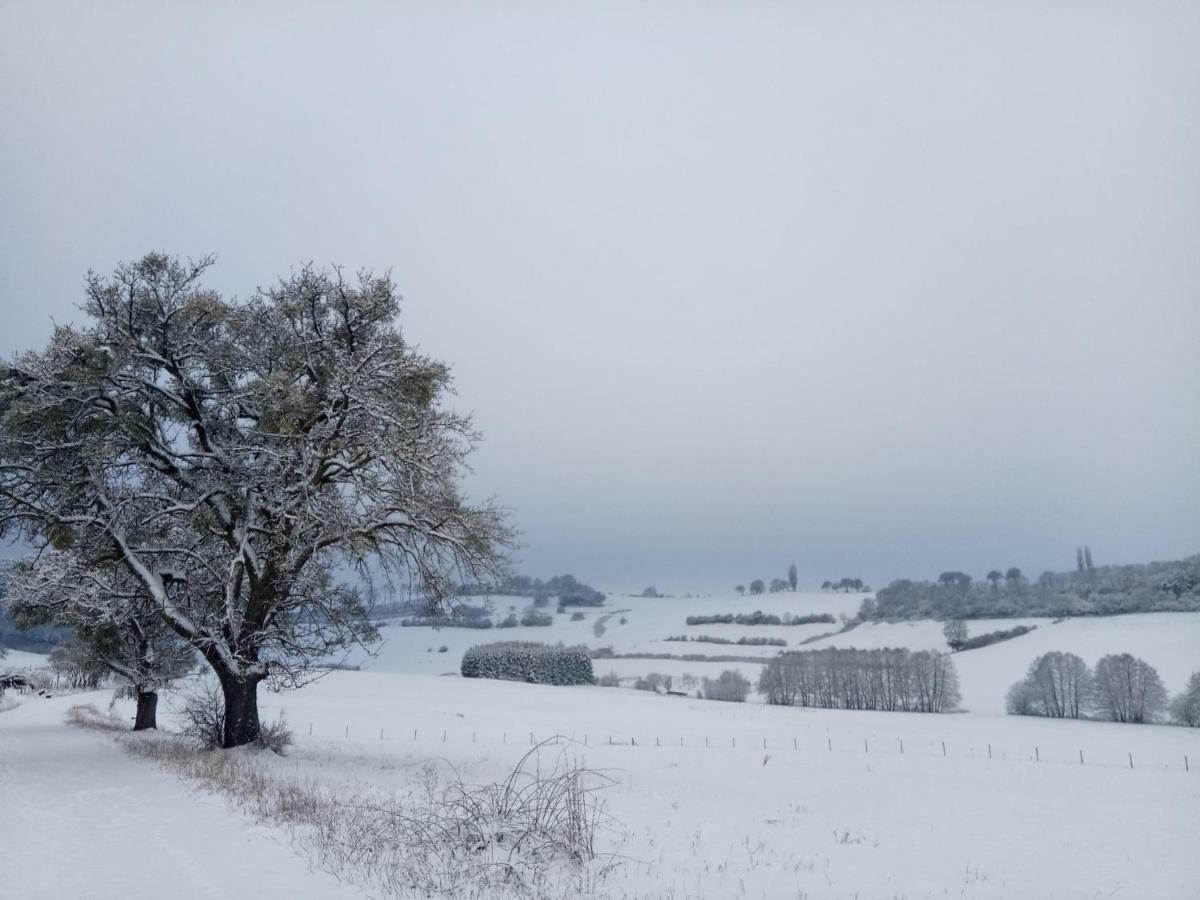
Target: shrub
point(609, 680)
point(730, 686)
point(203, 715)
point(534, 617)
point(443, 648)
point(275, 736)
point(509, 621)
point(623, 620)
point(655, 682)
point(528, 661)
point(577, 617)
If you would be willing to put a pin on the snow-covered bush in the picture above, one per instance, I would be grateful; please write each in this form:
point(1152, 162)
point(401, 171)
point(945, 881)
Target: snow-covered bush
point(534, 617)
point(730, 686)
point(529, 661)
point(612, 679)
point(1185, 708)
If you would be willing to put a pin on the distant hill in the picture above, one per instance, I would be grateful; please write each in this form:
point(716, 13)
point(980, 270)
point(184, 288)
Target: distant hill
point(1087, 591)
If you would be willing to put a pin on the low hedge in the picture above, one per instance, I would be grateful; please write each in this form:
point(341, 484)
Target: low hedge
point(529, 661)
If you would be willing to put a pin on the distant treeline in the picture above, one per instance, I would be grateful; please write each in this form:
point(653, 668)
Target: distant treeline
point(891, 680)
point(758, 617)
point(569, 590)
point(1090, 590)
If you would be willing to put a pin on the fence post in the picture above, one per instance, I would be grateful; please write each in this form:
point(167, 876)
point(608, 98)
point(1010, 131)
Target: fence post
point(866, 749)
point(531, 739)
point(901, 746)
point(1036, 756)
point(943, 748)
point(830, 744)
point(764, 743)
point(794, 746)
point(347, 731)
point(989, 751)
point(443, 736)
point(734, 744)
point(1081, 757)
point(706, 742)
point(414, 734)
point(310, 729)
point(1131, 759)
point(1185, 763)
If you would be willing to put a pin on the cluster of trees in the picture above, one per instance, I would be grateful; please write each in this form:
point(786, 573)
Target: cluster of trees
point(758, 586)
point(1122, 688)
point(846, 585)
point(569, 590)
point(195, 472)
point(758, 617)
point(890, 680)
point(1087, 590)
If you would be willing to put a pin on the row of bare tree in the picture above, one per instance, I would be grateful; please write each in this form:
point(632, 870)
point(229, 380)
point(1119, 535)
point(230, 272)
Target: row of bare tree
point(890, 679)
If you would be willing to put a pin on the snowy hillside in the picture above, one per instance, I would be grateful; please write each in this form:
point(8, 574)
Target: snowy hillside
point(640, 627)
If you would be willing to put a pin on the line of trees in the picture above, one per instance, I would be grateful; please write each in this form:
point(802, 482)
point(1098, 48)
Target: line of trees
point(1087, 590)
point(846, 585)
point(1122, 688)
point(775, 586)
point(889, 679)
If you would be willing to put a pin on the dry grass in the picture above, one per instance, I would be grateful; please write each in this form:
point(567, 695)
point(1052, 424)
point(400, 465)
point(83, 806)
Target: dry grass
point(533, 834)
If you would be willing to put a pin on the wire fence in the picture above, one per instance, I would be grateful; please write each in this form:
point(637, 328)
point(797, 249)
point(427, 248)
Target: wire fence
point(746, 743)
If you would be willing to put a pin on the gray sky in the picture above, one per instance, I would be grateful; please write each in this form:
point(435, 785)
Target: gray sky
point(885, 289)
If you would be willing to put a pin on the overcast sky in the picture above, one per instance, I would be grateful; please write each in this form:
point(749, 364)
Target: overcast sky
point(884, 289)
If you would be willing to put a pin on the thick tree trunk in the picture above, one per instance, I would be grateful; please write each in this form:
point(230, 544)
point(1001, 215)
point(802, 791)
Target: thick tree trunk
point(241, 709)
point(147, 711)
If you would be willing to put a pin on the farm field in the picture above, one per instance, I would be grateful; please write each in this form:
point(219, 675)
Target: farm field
point(727, 800)
point(1169, 641)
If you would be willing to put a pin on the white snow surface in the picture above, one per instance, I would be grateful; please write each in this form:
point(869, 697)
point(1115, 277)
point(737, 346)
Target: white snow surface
point(80, 818)
point(713, 800)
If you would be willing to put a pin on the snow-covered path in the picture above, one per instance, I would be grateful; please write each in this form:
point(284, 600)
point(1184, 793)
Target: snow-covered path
point(81, 818)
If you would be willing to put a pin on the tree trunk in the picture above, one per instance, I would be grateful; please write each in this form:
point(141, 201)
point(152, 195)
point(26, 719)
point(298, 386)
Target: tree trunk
point(241, 709)
point(147, 710)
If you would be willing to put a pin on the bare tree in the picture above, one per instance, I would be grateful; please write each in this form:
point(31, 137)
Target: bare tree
point(1060, 685)
point(1128, 689)
point(955, 632)
point(233, 456)
point(757, 586)
point(793, 576)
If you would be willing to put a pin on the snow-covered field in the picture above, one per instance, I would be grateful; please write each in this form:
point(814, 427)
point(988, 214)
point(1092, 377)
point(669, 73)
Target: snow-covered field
point(712, 800)
point(837, 805)
point(1169, 641)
